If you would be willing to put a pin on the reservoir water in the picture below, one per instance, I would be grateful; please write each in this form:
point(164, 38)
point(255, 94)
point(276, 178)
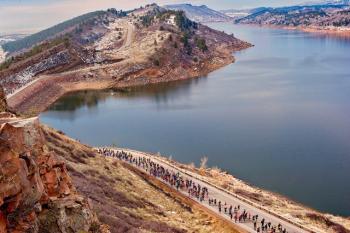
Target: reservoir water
point(278, 118)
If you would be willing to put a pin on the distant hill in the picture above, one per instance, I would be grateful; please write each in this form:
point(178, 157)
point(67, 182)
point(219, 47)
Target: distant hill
point(324, 15)
point(200, 13)
point(241, 13)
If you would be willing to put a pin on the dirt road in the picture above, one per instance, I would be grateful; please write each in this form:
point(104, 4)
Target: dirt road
point(225, 197)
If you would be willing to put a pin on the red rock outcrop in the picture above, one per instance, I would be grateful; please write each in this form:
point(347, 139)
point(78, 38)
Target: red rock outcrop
point(36, 192)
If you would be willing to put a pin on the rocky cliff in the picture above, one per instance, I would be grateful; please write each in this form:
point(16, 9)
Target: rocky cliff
point(36, 193)
point(52, 184)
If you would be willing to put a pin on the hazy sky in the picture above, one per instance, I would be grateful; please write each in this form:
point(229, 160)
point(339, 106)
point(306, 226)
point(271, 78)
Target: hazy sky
point(27, 16)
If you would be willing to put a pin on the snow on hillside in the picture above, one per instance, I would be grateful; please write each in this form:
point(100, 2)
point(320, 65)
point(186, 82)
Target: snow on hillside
point(11, 37)
point(200, 13)
point(2, 55)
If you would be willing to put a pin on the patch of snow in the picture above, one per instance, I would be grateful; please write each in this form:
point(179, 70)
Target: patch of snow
point(2, 55)
point(171, 20)
point(27, 75)
point(5, 40)
point(111, 37)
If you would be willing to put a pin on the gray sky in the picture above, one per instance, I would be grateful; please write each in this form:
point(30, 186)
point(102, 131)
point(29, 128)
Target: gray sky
point(28, 16)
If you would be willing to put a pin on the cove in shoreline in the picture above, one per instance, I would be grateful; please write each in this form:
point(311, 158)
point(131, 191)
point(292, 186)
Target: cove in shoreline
point(269, 126)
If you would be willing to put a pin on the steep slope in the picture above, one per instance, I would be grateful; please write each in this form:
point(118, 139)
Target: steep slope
point(128, 200)
point(150, 45)
point(70, 26)
point(200, 13)
point(51, 183)
point(36, 192)
point(53, 50)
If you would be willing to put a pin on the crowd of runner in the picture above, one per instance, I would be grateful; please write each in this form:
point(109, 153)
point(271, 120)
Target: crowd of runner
point(194, 190)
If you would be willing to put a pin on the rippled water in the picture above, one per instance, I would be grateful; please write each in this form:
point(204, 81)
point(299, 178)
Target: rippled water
point(278, 118)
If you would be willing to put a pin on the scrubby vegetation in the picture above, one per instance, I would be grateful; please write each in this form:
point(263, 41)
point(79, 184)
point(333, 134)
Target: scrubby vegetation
point(39, 37)
point(186, 29)
point(120, 13)
point(313, 15)
point(35, 50)
point(6, 64)
point(183, 22)
point(126, 199)
point(77, 23)
point(201, 44)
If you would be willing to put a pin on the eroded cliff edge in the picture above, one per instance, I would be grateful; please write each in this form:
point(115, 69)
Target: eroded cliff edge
point(52, 183)
point(37, 194)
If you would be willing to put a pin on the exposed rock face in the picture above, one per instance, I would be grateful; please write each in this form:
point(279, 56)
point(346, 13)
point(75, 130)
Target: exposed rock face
point(25, 76)
point(36, 192)
point(3, 104)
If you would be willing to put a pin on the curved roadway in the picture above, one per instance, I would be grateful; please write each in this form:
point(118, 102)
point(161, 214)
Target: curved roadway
point(225, 196)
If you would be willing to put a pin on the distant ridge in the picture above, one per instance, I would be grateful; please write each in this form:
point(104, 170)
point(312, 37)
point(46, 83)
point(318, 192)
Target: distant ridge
point(332, 14)
point(240, 13)
point(200, 13)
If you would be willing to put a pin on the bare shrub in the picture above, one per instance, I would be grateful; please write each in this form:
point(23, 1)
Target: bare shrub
point(191, 165)
point(115, 164)
point(203, 163)
point(216, 169)
point(105, 178)
point(329, 223)
point(77, 158)
point(92, 172)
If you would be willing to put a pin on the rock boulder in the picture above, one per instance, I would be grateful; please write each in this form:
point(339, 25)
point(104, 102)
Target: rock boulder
point(36, 192)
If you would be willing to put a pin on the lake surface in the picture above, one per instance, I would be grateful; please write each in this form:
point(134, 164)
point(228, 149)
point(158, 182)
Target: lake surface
point(278, 118)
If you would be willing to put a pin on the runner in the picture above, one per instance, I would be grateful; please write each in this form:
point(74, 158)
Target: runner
point(196, 191)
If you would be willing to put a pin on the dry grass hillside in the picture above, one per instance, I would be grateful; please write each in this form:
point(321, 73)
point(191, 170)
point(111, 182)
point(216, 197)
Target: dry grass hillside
point(296, 212)
point(128, 200)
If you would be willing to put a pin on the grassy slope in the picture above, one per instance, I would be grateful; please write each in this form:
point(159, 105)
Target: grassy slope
point(127, 200)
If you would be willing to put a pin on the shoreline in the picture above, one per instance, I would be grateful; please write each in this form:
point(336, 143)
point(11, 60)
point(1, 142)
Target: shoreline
point(211, 174)
point(39, 94)
point(220, 177)
point(139, 62)
point(184, 199)
point(314, 30)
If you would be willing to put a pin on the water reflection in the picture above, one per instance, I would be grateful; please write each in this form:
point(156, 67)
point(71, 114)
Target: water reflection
point(279, 117)
point(161, 94)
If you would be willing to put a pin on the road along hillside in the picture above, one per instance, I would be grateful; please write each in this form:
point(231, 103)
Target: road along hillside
point(236, 209)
